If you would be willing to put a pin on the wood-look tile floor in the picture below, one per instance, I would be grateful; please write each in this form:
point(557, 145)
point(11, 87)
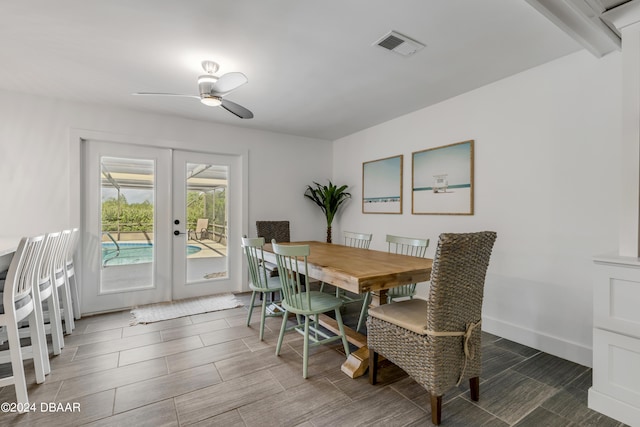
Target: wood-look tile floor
point(211, 369)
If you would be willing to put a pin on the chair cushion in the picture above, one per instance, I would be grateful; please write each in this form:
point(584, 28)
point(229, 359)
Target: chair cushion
point(410, 314)
point(26, 299)
point(43, 286)
point(19, 304)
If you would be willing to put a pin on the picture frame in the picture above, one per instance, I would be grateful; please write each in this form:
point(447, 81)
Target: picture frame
point(442, 180)
point(382, 186)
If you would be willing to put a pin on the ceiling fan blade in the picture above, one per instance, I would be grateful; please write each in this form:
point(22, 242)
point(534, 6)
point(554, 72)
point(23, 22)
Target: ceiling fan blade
point(166, 94)
point(227, 83)
point(236, 109)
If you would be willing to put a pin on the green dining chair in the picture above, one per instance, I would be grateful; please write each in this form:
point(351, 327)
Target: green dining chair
point(403, 246)
point(261, 282)
point(362, 241)
point(304, 303)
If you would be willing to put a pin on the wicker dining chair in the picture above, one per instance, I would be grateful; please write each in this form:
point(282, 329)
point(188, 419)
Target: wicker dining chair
point(270, 230)
point(437, 342)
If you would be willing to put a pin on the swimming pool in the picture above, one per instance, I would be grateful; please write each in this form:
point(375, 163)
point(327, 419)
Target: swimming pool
point(133, 253)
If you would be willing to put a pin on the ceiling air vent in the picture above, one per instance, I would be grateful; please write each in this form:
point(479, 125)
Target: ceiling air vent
point(398, 43)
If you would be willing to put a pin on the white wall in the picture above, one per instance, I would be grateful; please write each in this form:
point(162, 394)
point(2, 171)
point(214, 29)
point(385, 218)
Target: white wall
point(40, 156)
point(547, 146)
point(35, 163)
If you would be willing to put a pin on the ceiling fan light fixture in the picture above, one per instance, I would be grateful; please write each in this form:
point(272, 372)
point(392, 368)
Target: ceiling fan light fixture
point(207, 78)
point(211, 101)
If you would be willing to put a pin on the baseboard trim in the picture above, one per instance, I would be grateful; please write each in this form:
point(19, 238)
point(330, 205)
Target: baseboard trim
point(556, 346)
point(614, 408)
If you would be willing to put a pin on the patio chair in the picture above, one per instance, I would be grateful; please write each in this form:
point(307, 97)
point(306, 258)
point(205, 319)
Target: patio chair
point(201, 231)
point(437, 342)
point(261, 282)
point(301, 301)
point(17, 305)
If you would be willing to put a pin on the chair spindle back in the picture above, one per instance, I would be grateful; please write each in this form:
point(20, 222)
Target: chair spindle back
point(255, 260)
point(357, 240)
point(21, 274)
point(411, 247)
point(292, 266)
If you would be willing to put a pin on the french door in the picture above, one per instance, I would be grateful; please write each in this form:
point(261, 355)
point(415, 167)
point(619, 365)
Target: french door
point(159, 225)
point(207, 209)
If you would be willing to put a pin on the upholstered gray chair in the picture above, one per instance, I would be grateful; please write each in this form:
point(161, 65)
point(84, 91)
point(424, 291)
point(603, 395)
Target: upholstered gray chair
point(437, 342)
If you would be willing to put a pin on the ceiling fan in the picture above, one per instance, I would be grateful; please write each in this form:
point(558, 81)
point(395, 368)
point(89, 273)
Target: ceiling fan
point(213, 89)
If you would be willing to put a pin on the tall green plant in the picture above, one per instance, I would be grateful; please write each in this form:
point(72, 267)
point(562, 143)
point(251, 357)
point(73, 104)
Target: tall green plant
point(329, 198)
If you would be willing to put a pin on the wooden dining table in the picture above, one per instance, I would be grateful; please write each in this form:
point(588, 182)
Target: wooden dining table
point(359, 271)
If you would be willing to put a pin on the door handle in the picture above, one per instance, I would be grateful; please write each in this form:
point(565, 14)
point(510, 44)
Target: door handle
point(178, 232)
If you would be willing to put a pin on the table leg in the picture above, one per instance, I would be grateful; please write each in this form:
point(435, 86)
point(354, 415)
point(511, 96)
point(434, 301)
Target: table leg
point(378, 298)
point(358, 361)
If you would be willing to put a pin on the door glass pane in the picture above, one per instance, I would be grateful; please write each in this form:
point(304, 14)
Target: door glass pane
point(206, 213)
point(127, 218)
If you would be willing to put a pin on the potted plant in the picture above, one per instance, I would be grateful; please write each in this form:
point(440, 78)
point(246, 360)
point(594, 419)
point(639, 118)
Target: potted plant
point(329, 198)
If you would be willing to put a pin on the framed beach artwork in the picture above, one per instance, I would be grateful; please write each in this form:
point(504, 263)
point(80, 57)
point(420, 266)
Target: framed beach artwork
point(442, 180)
point(382, 186)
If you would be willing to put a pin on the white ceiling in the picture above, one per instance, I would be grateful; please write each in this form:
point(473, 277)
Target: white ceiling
point(311, 65)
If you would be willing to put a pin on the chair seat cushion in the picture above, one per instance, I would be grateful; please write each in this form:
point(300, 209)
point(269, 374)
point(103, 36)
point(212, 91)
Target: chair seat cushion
point(43, 286)
point(410, 314)
point(26, 299)
point(320, 303)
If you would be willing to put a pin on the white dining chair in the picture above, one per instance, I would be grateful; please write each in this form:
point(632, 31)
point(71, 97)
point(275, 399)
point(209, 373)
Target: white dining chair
point(45, 278)
point(61, 281)
point(17, 305)
point(70, 269)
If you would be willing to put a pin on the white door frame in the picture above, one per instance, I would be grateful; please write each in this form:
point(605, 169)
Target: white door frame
point(77, 138)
